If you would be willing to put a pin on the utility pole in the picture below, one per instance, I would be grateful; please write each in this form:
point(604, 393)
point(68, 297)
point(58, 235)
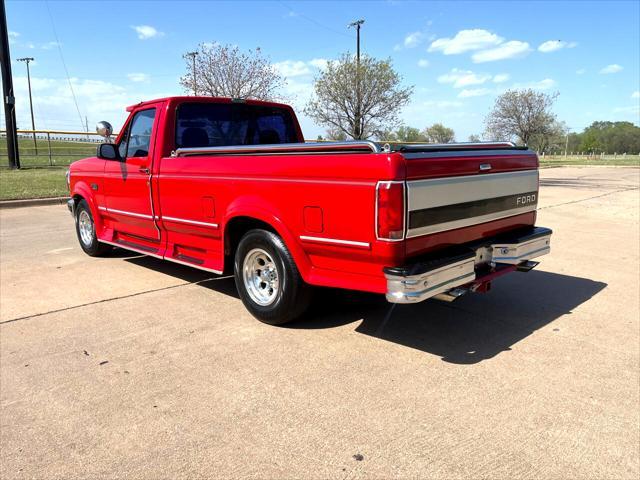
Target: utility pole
point(8, 99)
point(358, 121)
point(33, 122)
point(193, 71)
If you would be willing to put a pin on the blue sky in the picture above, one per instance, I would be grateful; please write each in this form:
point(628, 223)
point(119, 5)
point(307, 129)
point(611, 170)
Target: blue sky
point(458, 55)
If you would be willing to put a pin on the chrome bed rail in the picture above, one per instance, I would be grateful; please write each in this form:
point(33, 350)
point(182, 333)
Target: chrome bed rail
point(460, 146)
point(283, 148)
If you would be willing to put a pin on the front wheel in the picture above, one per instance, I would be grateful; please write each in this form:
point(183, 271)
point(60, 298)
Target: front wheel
point(268, 279)
point(86, 231)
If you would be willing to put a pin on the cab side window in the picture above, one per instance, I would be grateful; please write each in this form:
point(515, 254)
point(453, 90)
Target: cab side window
point(137, 139)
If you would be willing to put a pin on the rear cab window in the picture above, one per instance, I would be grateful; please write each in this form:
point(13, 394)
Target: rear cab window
point(224, 124)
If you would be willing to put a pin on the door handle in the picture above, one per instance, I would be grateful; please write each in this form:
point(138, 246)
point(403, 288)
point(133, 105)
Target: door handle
point(144, 170)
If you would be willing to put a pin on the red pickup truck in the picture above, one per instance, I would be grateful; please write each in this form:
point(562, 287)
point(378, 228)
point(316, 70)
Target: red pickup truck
point(230, 185)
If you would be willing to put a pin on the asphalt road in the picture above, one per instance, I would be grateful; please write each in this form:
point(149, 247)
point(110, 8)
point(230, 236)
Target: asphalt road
point(128, 366)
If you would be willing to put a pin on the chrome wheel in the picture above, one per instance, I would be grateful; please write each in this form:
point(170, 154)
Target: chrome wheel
point(85, 227)
point(260, 277)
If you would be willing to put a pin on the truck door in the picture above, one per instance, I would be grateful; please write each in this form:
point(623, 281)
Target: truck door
point(127, 184)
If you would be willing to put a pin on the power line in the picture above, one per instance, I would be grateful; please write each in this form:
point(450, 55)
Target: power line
point(314, 21)
point(66, 71)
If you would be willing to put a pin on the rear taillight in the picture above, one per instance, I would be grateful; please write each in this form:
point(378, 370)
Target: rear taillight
point(390, 211)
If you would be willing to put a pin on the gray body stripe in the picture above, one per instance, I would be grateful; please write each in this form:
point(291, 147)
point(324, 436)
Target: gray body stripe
point(439, 194)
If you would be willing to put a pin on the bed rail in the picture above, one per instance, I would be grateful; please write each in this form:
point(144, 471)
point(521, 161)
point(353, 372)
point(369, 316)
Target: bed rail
point(452, 147)
point(283, 148)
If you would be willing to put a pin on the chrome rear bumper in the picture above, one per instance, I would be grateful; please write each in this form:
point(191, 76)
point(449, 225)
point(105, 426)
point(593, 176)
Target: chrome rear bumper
point(443, 271)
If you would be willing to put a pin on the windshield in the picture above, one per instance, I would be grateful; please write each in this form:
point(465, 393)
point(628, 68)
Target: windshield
point(222, 124)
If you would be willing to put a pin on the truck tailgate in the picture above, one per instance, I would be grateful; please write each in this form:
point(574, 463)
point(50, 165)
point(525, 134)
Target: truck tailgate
point(458, 196)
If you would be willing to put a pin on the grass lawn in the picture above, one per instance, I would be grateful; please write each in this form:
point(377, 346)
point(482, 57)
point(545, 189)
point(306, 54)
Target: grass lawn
point(33, 183)
point(582, 160)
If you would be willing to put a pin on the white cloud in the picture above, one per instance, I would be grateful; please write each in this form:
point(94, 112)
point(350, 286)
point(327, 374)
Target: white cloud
point(413, 39)
point(463, 78)
point(581, 71)
point(635, 94)
point(298, 87)
point(292, 68)
point(633, 110)
point(507, 50)
point(97, 99)
point(49, 45)
point(613, 68)
point(319, 63)
point(298, 68)
point(545, 84)
point(138, 77)
point(442, 104)
point(475, 92)
point(146, 31)
point(423, 63)
point(13, 37)
point(553, 45)
point(501, 78)
point(465, 41)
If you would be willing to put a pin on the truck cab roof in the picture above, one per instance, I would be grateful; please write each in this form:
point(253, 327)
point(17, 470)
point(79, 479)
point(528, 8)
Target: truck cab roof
point(206, 99)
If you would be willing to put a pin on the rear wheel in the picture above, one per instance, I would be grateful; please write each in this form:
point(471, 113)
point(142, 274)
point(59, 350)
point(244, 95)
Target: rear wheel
point(268, 279)
point(86, 231)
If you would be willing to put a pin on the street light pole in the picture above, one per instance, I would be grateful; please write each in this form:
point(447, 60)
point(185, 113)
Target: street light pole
point(193, 71)
point(8, 98)
point(33, 122)
point(358, 130)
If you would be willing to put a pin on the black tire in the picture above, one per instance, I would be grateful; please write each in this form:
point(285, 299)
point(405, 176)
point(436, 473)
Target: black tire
point(89, 243)
point(291, 296)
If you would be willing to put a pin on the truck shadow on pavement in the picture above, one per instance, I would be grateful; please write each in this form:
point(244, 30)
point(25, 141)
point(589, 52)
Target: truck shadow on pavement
point(474, 328)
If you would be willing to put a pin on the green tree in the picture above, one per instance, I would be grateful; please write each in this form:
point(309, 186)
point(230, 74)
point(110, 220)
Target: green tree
point(474, 138)
point(438, 133)
point(409, 134)
point(553, 140)
point(611, 137)
point(358, 100)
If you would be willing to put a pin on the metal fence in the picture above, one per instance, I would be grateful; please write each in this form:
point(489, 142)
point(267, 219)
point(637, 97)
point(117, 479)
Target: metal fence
point(50, 148)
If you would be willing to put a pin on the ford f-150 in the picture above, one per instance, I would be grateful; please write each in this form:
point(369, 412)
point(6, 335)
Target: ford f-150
point(229, 185)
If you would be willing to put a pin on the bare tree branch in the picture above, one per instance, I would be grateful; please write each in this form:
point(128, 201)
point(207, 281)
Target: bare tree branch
point(524, 116)
point(225, 71)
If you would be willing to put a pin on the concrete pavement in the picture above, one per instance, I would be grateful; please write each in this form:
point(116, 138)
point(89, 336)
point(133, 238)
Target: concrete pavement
point(130, 366)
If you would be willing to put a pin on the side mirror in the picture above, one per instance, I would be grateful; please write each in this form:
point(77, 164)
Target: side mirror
point(108, 151)
point(104, 129)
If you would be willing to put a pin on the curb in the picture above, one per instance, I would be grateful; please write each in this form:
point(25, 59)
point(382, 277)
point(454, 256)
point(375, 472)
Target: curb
point(32, 202)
